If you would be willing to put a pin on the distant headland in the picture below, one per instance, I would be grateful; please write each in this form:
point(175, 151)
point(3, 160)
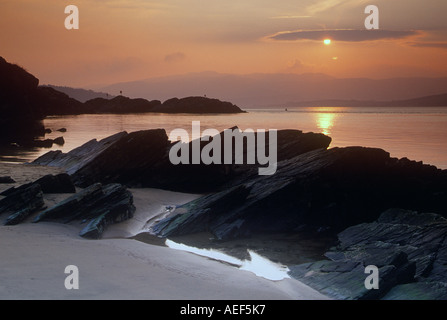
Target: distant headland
point(24, 104)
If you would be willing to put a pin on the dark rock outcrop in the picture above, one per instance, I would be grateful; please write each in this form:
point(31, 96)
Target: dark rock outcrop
point(142, 159)
point(123, 158)
point(21, 203)
point(129, 160)
point(7, 179)
point(60, 183)
point(410, 250)
point(59, 141)
point(78, 157)
point(102, 205)
point(320, 190)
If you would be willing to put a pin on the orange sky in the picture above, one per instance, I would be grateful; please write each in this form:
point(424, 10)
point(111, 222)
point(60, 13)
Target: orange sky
point(136, 39)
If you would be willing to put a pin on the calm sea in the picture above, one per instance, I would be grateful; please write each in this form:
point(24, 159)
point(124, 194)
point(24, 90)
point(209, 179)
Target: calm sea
point(416, 133)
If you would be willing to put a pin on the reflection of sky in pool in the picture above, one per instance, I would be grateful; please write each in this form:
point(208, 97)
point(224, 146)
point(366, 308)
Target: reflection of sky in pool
point(257, 264)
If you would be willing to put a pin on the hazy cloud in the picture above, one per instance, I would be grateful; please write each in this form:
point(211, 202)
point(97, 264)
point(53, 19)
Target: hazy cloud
point(349, 35)
point(440, 45)
point(112, 66)
point(175, 57)
point(290, 17)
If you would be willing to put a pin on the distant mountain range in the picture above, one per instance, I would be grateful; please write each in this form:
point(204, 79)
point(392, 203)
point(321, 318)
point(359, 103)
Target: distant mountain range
point(279, 90)
point(438, 100)
point(82, 95)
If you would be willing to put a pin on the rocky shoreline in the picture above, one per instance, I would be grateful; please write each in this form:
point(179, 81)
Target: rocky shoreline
point(348, 193)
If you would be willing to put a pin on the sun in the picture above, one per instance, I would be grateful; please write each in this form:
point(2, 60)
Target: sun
point(327, 41)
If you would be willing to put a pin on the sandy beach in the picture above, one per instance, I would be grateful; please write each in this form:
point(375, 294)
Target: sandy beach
point(34, 257)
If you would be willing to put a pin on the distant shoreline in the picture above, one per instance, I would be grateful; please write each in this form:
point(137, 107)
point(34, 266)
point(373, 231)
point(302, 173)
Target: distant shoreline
point(439, 100)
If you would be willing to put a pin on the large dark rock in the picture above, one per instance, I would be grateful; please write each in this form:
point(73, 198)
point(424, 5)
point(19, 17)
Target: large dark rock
point(322, 190)
point(410, 250)
point(116, 206)
point(102, 205)
point(27, 199)
point(6, 179)
point(60, 183)
point(142, 159)
point(129, 160)
point(78, 157)
point(59, 141)
point(22, 203)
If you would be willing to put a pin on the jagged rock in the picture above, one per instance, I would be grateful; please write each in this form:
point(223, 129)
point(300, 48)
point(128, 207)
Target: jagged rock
point(73, 207)
point(322, 189)
point(103, 205)
point(418, 291)
point(132, 158)
point(59, 141)
point(411, 246)
point(60, 183)
point(142, 159)
point(72, 161)
point(28, 198)
point(117, 206)
point(22, 203)
point(6, 179)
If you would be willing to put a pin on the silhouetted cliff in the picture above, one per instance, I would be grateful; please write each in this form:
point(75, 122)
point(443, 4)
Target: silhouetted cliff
point(19, 109)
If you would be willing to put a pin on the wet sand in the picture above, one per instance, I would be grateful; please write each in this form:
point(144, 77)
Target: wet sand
point(34, 257)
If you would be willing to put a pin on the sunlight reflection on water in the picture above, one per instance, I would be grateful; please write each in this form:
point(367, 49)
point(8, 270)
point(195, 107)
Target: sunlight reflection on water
point(417, 133)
